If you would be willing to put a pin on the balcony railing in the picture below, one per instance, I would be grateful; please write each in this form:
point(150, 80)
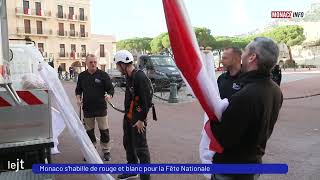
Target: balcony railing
point(61, 15)
point(72, 17)
point(84, 54)
point(70, 55)
point(34, 31)
point(73, 33)
point(45, 54)
point(75, 55)
point(62, 33)
point(63, 55)
point(83, 34)
point(82, 18)
point(33, 12)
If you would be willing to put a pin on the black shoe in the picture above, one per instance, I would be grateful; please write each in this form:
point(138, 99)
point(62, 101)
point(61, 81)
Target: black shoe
point(84, 159)
point(107, 156)
point(127, 176)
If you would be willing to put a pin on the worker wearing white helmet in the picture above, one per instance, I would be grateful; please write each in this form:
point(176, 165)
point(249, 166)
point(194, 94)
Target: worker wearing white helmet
point(123, 56)
point(137, 104)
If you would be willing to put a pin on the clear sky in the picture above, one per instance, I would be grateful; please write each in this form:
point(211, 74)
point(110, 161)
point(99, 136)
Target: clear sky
point(145, 18)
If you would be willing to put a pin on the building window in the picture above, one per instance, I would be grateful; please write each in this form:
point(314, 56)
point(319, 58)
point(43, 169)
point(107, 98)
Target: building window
point(60, 11)
point(41, 47)
point(72, 30)
point(27, 28)
point(26, 7)
point(62, 50)
point(103, 67)
point(73, 51)
point(71, 12)
point(102, 50)
point(81, 12)
point(82, 31)
point(61, 29)
point(39, 27)
point(38, 9)
point(83, 51)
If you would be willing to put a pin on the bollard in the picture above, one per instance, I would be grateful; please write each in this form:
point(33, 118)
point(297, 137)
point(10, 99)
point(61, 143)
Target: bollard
point(173, 93)
point(75, 78)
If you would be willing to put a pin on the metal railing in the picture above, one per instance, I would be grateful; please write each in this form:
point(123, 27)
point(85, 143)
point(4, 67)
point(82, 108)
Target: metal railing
point(62, 33)
point(33, 12)
point(61, 15)
point(63, 55)
point(73, 33)
point(74, 17)
point(82, 18)
point(34, 31)
point(83, 34)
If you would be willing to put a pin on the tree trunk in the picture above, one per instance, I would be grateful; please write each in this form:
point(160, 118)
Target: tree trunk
point(219, 52)
point(290, 58)
point(290, 54)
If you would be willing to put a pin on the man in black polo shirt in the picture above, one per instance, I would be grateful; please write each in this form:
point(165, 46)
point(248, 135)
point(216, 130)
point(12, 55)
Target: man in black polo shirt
point(227, 82)
point(92, 86)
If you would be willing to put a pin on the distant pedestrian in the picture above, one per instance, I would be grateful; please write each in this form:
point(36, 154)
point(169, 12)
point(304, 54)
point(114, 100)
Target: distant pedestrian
point(71, 71)
point(60, 72)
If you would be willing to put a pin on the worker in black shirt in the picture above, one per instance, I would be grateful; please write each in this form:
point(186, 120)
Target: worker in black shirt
point(92, 86)
point(137, 104)
point(228, 82)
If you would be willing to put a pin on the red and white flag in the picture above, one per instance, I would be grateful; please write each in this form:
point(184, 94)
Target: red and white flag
point(188, 58)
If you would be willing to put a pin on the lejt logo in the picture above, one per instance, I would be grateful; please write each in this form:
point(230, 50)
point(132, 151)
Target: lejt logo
point(286, 14)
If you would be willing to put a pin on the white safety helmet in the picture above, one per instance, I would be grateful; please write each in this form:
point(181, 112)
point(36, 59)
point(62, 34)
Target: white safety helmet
point(123, 56)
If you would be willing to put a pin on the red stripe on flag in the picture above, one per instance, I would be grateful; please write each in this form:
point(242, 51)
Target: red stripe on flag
point(29, 98)
point(185, 54)
point(187, 57)
point(214, 144)
point(4, 103)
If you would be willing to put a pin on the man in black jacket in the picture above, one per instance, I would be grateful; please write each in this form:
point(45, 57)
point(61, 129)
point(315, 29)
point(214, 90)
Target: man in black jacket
point(248, 122)
point(137, 105)
point(228, 81)
point(276, 74)
point(92, 86)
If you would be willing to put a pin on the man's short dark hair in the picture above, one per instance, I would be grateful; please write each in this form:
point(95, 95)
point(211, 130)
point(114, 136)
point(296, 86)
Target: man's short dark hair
point(237, 51)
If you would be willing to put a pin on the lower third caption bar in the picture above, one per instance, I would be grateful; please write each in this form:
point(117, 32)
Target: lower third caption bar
point(160, 168)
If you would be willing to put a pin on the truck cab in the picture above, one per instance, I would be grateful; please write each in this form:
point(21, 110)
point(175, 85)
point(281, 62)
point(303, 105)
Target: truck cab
point(161, 70)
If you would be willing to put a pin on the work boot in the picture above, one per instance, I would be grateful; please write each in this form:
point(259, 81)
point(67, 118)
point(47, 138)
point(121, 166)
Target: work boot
point(127, 176)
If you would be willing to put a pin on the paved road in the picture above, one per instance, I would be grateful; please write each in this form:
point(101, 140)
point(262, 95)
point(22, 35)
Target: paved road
point(175, 137)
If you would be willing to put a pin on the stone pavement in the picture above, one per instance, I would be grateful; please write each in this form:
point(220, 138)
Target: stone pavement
point(175, 137)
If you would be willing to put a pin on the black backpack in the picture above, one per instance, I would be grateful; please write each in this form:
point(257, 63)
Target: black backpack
point(149, 95)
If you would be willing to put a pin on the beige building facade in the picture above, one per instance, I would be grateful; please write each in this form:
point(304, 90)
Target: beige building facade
point(301, 54)
point(61, 30)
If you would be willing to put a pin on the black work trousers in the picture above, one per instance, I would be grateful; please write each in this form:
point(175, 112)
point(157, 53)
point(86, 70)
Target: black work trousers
point(136, 146)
